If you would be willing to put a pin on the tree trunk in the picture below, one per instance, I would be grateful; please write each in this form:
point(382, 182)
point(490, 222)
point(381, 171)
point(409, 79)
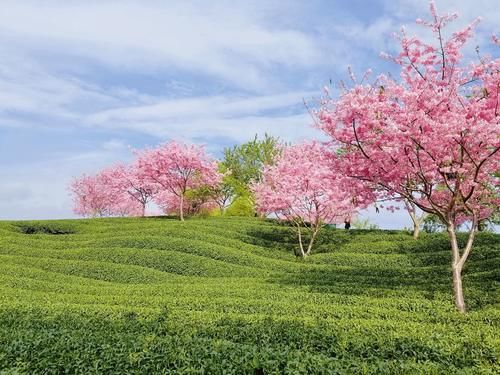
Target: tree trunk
point(416, 230)
point(181, 207)
point(313, 237)
point(417, 221)
point(481, 225)
point(143, 211)
point(301, 245)
point(457, 287)
point(458, 261)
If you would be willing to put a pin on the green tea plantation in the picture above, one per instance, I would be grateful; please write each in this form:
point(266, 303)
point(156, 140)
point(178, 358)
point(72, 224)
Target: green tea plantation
point(227, 296)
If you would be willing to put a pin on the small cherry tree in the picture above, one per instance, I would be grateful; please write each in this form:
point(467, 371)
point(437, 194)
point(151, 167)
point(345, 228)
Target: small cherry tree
point(97, 195)
point(431, 138)
point(128, 179)
point(301, 187)
point(124, 205)
point(175, 168)
point(89, 197)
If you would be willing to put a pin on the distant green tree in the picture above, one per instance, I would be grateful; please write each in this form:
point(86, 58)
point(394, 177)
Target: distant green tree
point(224, 193)
point(242, 205)
point(196, 198)
point(432, 224)
point(489, 225)
point(364, 224)
point(242, 166)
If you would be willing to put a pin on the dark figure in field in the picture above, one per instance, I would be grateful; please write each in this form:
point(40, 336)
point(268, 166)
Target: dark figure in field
point(347, 224)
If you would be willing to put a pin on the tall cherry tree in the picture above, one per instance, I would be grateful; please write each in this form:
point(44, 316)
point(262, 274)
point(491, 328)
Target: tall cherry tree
point(303, 188)
point(432, 137)
point(176, 167)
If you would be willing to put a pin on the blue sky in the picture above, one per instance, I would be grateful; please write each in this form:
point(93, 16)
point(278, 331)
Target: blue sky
point(82, 82)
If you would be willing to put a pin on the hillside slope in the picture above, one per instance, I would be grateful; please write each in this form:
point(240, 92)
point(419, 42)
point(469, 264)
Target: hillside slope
point(157, 295)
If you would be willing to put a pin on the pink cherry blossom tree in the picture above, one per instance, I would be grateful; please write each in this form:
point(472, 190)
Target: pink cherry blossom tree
point(129, 179)
point(89, 199)
point(431, 137)
point(125, 205)
point(303, 188)
point(175, 168)
point(96, 195)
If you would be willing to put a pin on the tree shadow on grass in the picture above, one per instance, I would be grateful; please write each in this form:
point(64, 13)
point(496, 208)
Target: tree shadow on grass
point(277, 237)
point(481, 290)
point(283, 236)
point(371, 281)
point(162, 217)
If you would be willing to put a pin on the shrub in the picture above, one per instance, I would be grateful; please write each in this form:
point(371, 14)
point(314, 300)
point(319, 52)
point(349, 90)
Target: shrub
point(241, 206)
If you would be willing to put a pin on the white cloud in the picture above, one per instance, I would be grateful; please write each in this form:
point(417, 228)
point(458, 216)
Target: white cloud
point(291, 128)
point(29, 88)
point(236, 118)
point(235, 44)
point(223, 106)
point(230, 42)
point(114, 144)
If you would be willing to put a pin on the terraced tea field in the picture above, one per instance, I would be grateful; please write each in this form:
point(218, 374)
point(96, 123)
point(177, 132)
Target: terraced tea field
point(227, 295)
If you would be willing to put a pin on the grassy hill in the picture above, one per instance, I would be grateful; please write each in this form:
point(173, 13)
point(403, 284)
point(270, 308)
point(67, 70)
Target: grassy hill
point(156, 295)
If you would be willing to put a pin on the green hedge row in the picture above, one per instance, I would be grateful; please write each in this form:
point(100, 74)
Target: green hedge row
point(91, 342)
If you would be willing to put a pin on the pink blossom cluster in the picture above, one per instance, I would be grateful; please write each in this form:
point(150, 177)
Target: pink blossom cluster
point(170, 204)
